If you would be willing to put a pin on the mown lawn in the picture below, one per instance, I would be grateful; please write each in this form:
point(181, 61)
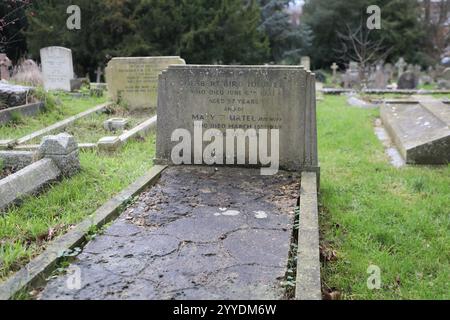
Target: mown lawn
point(67, 107)
point(374, 214)
point(26, 230)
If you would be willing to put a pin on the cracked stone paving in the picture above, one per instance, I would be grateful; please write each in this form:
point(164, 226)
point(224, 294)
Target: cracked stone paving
point(199, 233)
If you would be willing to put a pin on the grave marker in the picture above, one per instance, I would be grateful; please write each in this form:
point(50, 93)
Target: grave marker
point(240, 97)
point(306, 62)
point(57, 68)
point(5, 63)
point(134, 81)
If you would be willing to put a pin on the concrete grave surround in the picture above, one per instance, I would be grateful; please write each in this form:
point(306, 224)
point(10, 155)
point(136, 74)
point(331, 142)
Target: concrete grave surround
point(420, 131)
point(134, 81)
point(247, 97)
point(57, 68)
point(198, 234)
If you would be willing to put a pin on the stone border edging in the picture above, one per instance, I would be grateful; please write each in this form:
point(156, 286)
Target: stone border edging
point(308, 283)
point(62, 124)
point(26, 110)
point(111, 144)
point(40, 267)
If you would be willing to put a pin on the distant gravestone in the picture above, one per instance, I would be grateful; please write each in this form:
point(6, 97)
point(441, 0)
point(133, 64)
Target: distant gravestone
point(134, 81)
point(446, 74)
point(5, 64)
point(334, 67)
point(247, 98)
point(379, 79)
point(400, 65)
point(57, 68)
point(389, 71)
point(408, 80)
point(306, 62)
point(352, 78)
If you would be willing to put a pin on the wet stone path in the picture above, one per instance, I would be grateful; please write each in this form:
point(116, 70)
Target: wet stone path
point(200, 233)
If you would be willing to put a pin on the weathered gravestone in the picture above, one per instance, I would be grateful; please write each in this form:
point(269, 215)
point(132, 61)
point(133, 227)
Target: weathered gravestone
point(420, 131)
point(306, 62)
point(196, 98)
point(57, 68)
point(215, 232)
point(134, 81)
point(5, 64)
point(352, 77)
point(408, 80)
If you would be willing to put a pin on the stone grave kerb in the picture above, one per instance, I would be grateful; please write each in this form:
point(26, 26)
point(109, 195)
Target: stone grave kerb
point(63, 150)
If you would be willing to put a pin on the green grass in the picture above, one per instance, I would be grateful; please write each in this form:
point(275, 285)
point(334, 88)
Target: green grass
point(90, 129)
point(374, 214)
point(69, 106)
point(24, 230)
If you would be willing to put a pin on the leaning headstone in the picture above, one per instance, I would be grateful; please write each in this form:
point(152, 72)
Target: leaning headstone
point(5, 64)
point(306, 62)
point(420, 131)
point(444, 80)
point(408, 80)
point(57, 68)
point(244, 99)
point(134, 81)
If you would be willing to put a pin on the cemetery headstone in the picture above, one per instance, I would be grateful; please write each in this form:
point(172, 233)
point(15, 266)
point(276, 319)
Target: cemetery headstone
point(389, 71)
point(380, 79)
point(352, 77)
point(400, 65)
point(444, 81)
point(249, 98)
point(408, 80)
point(134, 81)
point(306, 62)
point(57, 68)
point(99, 73)
point(5, 64)
point(334, 67)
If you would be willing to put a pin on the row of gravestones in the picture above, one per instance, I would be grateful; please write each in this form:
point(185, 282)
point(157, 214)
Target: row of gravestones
point(57, 69)
point(381, 75)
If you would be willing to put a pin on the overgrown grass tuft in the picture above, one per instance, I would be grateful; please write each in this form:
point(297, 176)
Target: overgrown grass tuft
point(375, 214)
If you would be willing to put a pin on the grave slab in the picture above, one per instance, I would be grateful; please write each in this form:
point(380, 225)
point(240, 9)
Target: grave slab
point(134, 80)
point(200, 233)
point(420, 131)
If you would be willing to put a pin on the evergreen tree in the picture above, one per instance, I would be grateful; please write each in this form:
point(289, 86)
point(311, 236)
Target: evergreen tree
point(288, 42)
point(201, 31)
point(401, 30)
point(12, 22)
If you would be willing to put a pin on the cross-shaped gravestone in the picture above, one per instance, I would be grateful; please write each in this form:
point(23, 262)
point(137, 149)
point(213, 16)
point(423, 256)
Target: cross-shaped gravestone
point(334, 67)
point(99, 74)
point(401, 64)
